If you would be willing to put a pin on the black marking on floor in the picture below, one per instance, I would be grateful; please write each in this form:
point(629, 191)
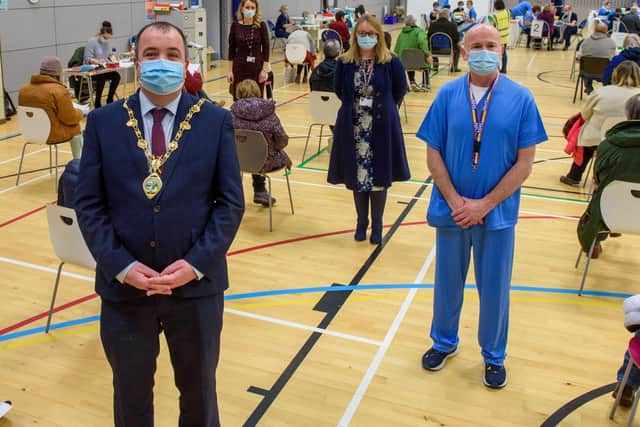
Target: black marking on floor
point(566, 410)
point(330, 303)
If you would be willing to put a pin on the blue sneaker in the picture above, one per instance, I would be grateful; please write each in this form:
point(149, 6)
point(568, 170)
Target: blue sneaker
point(434, 360)
point(495, 376)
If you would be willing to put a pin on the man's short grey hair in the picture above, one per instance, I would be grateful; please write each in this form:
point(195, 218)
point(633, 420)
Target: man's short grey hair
point(444, 13)
point(632, 40)
point(632, 108)
point(634, 10)
point(410, 20)
point(331, 48)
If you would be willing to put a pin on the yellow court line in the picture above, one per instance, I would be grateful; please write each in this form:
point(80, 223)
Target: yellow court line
point(570, 300)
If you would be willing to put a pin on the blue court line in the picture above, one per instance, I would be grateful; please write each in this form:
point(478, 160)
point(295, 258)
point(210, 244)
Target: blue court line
point(11, 135)
point(316, 289)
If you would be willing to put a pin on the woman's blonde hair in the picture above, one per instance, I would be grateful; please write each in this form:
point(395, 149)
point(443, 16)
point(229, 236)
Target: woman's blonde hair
point(256, 18)
point(247, 89)
point(632, 40)
point(383, 54)
point(548, 8)
point(283, 7)
point(627, 73)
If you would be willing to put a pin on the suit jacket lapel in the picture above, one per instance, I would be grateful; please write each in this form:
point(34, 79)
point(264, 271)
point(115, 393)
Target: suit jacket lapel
point(137, 155)
point(169, 167)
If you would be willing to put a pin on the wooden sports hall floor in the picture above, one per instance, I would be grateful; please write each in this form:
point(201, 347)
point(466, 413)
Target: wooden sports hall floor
point(296, 355)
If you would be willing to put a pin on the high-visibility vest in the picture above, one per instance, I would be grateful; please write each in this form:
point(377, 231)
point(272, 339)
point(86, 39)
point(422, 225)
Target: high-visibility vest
point(502, 20)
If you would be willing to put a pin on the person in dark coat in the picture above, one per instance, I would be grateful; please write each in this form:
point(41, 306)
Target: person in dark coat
point(252, 112)
point(322, 76)
point(631, 21)
point(631, 52)
point(444, 25)
point(368, 151)
point(248, 46)
point(283, 23)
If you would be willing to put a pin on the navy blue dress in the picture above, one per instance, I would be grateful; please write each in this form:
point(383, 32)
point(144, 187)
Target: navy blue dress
point(369, 139)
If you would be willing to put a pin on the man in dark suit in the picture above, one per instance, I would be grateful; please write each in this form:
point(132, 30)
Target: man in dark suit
point(159, 202)
point(631, 21)
point(444, 25)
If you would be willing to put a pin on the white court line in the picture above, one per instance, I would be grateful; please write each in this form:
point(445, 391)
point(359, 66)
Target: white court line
point(303, 327)
point(13, 159)
point(375, 363)
point(531, 61)
point(229, 310)
point(47, 269)
point(23, 183)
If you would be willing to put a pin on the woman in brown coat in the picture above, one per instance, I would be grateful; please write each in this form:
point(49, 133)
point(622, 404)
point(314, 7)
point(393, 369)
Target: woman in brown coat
point(252, 112)
point(47, 92)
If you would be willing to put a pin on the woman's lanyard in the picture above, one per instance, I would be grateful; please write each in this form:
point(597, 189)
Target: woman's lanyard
point(248, 39)
point(479, 119)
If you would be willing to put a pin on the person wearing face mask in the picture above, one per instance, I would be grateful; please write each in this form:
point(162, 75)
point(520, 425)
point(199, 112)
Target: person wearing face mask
point(97, 52)
point(159, 200)
point(368, 152)
point(478, 156)
point(283, 23)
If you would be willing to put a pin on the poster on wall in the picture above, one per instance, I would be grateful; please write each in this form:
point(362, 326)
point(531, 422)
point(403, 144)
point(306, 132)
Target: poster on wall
point(4, 5)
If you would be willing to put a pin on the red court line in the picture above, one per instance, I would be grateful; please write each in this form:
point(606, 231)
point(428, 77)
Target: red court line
point(232, 253)
point(23, 216)
point(288, 101)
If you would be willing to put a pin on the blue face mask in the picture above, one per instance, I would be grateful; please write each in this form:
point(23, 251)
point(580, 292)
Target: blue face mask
point(367, 42)
point(249, 13)
point(483, 62)
point(161, 76)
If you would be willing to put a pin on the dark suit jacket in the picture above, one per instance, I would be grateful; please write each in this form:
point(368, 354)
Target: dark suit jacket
point(632, 22)
point(195, 216)
point(443, 25)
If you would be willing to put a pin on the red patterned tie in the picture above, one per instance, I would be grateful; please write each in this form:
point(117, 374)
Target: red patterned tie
point(158, 142)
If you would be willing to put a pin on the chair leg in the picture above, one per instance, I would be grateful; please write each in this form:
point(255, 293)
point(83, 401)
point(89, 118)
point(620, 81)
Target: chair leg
point(575, 92)
point(286, 176)
point(55, 186)
point(406, 117)
point(578, 260)
point(634, 408)
point(586, 267)
point(53, 298)
point(320, 138)
point(270, 203)
point(20, 164)
point(50, 161)
point(589, 167)
point(306, 144)
point(619, 388)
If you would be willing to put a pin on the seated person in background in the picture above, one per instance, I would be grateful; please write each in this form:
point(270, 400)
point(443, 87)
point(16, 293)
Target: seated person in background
point(548, 15)
point(97, 52)
point(283, 23)
point(459, 14)
point(433, 15)
point(444, 25)
point(600, 107)
point(301, 37)
point(604, 11)
point(528, 19)
point(322, 76)
point(631, 52)
point(570, 25)
point(618, 158)
point(631, 308)
point(520, 9)
point(472, 16)
point(252, 112)
point(413, 37)
point(631, 21)
point(615, 20)
point(193, 85)
point(47, 92)
point(340, 27)
point(598, 45)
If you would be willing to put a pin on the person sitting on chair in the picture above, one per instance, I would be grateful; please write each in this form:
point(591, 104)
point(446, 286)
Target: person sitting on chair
point(414, 37)
point(97, 52)
point(618, 158)
point(283, 23)
point(46, 91)
point(631, 21)
point(631, 52)
point(322, 76)
point(340, 27)
point(252, 112)
point(444, 25)
point(303, 38)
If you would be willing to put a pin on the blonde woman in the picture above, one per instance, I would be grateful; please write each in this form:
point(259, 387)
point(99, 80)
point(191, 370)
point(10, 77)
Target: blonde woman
point(368, 151)
point(604, 103)
point(248, 46)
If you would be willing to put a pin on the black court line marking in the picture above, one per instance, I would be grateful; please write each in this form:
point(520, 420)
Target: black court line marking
point(330, 303)
point(551, 159)
point(555, 190)
point(539, 77)
point(566, 410)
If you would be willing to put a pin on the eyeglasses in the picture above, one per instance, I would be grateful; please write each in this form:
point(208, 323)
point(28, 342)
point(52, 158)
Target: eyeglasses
point(363, 34)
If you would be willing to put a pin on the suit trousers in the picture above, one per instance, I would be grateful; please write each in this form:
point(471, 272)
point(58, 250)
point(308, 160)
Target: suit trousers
point(130, 336)
point(492, 262)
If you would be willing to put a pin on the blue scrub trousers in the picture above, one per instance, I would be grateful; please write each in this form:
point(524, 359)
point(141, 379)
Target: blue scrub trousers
point(493, 262)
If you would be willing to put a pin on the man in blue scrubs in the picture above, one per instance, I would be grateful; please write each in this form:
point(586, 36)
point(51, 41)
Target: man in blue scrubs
point(481, 132)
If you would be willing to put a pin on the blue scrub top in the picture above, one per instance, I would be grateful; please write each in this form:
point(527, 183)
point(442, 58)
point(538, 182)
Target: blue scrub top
point(520, 9)
point(472, 14)
point(513, 122)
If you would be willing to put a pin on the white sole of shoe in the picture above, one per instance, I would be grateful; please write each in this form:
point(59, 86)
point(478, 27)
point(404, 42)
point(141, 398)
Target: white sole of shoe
point(4, 408)
point(492, 386)
point(444, 361)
